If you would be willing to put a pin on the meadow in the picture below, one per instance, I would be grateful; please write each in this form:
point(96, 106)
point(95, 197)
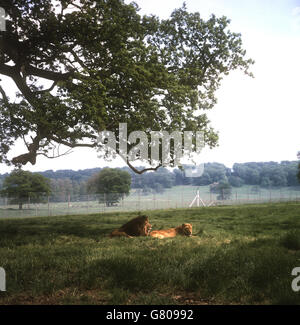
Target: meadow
point(238, 255)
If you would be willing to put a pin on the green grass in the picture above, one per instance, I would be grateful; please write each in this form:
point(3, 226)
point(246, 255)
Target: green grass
point(238, 255)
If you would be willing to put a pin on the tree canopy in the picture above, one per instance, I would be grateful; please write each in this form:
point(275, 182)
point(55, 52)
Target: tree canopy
point(23, 186)
point(223, 189)
point(113, 184)
point(83, 67)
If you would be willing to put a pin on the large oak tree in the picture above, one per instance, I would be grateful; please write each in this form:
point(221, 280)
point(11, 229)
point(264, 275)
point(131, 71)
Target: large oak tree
point(85, 66)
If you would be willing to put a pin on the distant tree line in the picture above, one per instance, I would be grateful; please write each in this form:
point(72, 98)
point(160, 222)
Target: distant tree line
point(268, 174)
point(69, 183)
point(263, 174)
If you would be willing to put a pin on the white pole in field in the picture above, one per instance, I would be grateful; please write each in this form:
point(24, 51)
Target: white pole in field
point(197, 199)
point(202, 201)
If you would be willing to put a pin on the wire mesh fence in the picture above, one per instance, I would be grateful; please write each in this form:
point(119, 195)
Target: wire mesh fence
point(176, 197)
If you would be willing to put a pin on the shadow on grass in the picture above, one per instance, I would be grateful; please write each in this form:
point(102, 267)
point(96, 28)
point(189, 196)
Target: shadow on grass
point(253, 273)
point(45, 230)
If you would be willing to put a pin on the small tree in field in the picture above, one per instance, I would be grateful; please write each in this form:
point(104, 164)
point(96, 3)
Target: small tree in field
point(112, 184)
point(23, 186)
point(223, 189)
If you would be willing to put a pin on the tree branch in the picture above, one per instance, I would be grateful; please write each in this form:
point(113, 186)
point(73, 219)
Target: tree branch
point(94, 145)
point(47, 90)
point(73, 145)
point(143, 170)
point(57, 156)
point(5, 98)
point(46, 74)
point(14, 73)
point(78, 59)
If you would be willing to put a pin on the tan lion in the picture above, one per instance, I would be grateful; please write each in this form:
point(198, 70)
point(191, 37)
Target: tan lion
point(138, 226)
point(185, 230)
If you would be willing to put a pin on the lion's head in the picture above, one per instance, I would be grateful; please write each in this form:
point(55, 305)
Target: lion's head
point(138, 226)
point(186, 229)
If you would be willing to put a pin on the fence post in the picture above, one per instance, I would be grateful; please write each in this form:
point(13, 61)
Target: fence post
point(68, 203)
point(139, 200)
point(104, 205)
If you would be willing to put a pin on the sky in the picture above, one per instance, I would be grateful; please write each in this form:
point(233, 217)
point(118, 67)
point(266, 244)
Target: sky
point(258, 119)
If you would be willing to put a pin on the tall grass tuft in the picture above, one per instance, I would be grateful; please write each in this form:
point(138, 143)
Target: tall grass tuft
point(291, 240)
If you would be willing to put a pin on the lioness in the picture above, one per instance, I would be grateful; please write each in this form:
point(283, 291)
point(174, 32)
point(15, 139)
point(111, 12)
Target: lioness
point(185, 230)
point(138, 226)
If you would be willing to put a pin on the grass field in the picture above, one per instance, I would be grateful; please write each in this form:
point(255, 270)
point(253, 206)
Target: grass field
point(238, 255)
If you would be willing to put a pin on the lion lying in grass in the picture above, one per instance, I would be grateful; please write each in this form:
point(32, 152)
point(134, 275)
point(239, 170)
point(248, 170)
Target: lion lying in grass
point(185, 230)
point(138, 226)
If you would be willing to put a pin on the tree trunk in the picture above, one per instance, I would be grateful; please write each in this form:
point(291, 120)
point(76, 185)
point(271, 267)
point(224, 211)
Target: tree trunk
point(20, 206)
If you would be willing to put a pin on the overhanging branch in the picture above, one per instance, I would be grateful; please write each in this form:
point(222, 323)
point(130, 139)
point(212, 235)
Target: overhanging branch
point(46, 74)
point(5, 98)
